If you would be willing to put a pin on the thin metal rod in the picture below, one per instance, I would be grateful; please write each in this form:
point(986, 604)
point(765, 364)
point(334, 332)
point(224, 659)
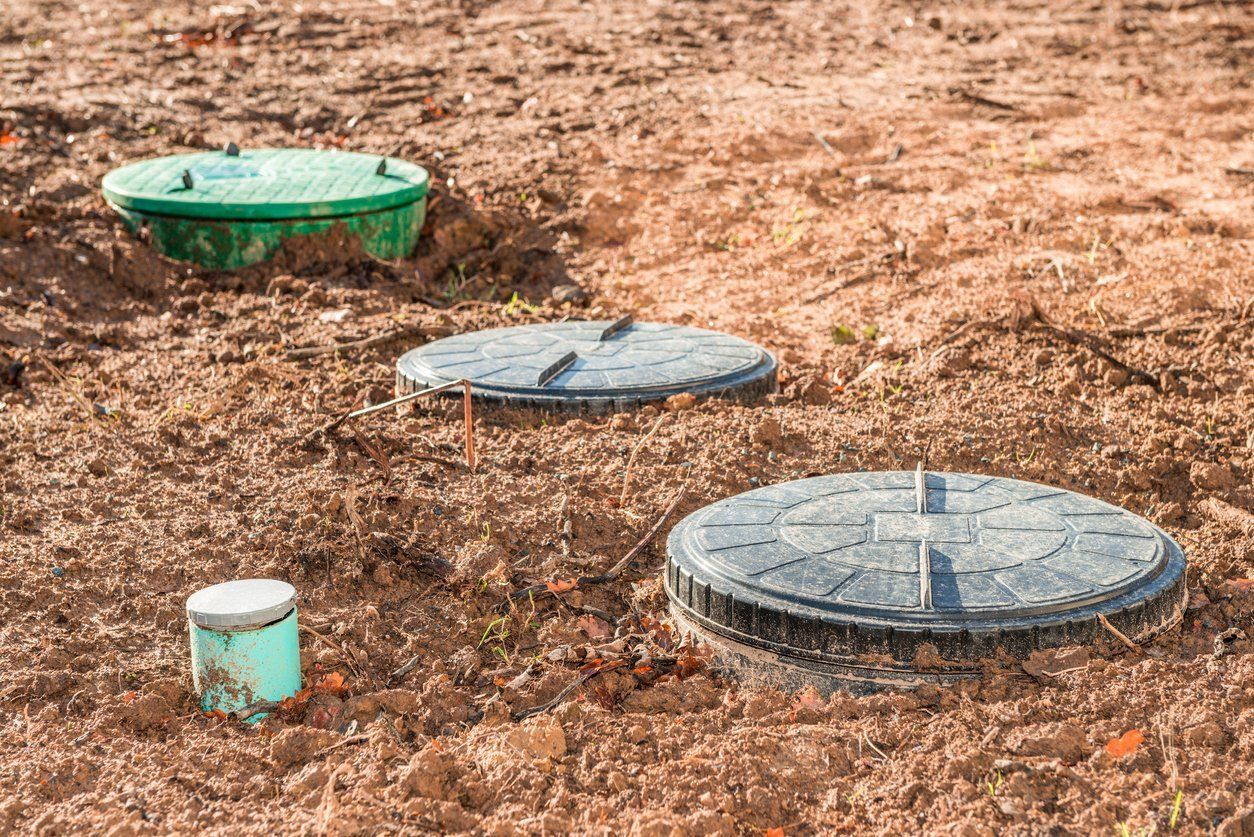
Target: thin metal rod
point(404, 399)
point(401, 399)
point(470, 426)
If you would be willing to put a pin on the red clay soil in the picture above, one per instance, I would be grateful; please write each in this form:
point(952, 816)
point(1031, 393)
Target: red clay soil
point(893, 197)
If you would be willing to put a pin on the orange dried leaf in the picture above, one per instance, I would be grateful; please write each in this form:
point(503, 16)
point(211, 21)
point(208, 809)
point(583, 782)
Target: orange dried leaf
point(1126, 744)
point(332, 684)
point(9, 139)
point(130, 697)
point(1242, 584)
point(595, 628)
point(561, 585)
point(809, 699)
point(777, 831)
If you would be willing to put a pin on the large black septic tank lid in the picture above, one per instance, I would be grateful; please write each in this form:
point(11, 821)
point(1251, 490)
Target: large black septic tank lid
point(843, 579)
point(591, 366)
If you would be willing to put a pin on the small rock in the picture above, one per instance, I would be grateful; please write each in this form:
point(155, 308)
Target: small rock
point(1170, 512)
point(97, 468)
point(1116, 377)
point(767, 433)
point(1206, 734)
point(427, 774)
point(297, 745)
point(1211, 476)
point(681, 401)
point(378, 395)
point(539, 738)
point(12, 374)
point(572, 294)
point(950, 363)
point(1067, 742)
point(1043, 358)
point(337, 316)
point(1240, 824)
point(1055, 660)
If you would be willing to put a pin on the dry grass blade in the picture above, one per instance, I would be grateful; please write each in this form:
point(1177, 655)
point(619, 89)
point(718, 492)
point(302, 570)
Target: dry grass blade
point(74, 392)
point(376, 453)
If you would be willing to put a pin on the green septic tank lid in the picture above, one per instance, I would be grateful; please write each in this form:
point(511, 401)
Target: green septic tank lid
point(266, 184)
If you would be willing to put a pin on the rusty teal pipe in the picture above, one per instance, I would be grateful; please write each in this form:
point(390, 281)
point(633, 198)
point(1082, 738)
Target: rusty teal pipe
point(245, 643)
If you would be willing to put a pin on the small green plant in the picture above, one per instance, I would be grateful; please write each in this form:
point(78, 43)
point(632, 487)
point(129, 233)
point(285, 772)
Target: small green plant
point(1175, 810)
point(993, 784)
point(518, 305)
point(843, 335)
point(1034, 160)
point(789, 233)
point(485, 533)
point(497, 631)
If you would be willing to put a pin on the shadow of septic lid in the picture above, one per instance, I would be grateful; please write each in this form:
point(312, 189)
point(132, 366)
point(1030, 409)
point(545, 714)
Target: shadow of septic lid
point(592, 365)
point(839, 570)
point(265, 184)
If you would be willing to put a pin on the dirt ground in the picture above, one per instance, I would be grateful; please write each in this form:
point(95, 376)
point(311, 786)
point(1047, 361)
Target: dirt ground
point(895, 198)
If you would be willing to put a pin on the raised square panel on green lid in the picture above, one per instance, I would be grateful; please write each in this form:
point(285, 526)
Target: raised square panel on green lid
point(266, 184)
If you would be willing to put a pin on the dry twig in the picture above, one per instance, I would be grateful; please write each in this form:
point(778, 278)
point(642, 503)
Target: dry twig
point(1118, 634)
point(614, 571)
point(368, 342)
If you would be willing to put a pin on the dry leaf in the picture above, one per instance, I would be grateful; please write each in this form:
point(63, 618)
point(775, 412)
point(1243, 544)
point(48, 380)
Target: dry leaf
point(561, 585)
point(810, 699)
point(331, 683)
point(777, 831)
point(594, 627)
point(1126, 744)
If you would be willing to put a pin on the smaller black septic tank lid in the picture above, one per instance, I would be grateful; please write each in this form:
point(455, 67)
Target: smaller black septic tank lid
point(591, 366)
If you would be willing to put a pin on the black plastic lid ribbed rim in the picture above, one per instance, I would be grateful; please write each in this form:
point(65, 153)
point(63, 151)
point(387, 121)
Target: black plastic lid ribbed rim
point(591, 366)
point(837, 567)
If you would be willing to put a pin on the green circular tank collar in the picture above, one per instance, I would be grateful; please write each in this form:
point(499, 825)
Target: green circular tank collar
point(266, 184)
